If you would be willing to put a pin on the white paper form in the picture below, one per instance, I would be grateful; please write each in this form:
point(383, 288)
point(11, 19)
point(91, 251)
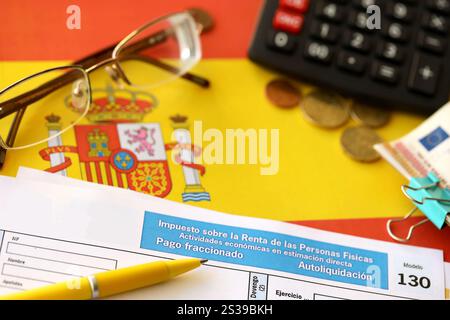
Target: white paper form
point(55, 232)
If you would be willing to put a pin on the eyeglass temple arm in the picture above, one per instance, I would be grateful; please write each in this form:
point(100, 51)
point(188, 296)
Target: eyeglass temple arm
point(203, 82)
point(22, 101)
point(11, 135)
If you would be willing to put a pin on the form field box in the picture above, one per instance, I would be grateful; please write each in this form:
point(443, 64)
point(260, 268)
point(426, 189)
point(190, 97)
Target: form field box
point(71, 258)
point(36, 274)
point(318, 296)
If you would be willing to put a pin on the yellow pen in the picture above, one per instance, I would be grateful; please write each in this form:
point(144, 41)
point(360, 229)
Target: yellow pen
point(110, 283)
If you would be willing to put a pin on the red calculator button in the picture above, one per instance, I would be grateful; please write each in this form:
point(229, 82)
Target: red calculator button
point(300, 6)
point(287, 21)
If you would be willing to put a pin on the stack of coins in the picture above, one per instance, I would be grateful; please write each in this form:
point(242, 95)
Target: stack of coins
point(329, 110)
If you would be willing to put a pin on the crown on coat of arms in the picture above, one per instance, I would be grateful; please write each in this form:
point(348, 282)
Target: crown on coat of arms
point(53, 118)
point(179, 121)
point(178, 118)
point(118, 105)
point(53, 122)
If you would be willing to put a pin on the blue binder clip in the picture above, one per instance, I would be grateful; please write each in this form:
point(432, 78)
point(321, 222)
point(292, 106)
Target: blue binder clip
point(430, 198)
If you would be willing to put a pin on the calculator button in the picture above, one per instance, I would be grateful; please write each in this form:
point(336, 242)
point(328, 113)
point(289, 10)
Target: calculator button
point(324, 31)
point(431, 43)
point(400, 11)
point(436, 23)
point(351, 62)
point(356, 41)
point(301, 6)
point(330, 11)
point(385, 73)
point(424, 74)
point(318, 52)
point(287, 21)
point(281, 41)
point(390, 51)
point(359, 20)
point(364, 4)
point(443, 6)
point(396, 31)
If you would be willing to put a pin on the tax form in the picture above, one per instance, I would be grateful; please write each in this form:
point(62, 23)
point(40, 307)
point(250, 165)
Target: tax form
point(58, 231)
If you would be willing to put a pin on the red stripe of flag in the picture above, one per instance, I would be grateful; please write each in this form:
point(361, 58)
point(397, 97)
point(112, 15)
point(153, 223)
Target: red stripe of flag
point(119, 179)
point(108, 173)
point(98, 172)
point(88, 171)
point(36, 30)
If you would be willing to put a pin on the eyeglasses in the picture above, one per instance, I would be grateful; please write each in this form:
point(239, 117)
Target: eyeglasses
point(158, 52)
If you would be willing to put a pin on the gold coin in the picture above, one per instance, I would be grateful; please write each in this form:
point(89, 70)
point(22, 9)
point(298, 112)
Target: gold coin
point(203, 18)
point(370, 116)
point(358, 143)
point(326, 109)
point(282, 93)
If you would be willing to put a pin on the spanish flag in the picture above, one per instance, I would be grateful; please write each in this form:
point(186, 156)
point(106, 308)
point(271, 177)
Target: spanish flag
point(315, 180)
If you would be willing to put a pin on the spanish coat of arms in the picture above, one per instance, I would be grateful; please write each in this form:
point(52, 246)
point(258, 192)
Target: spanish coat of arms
point(124, 152)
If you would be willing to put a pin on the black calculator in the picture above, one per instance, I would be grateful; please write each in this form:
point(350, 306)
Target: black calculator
point(402, 62)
